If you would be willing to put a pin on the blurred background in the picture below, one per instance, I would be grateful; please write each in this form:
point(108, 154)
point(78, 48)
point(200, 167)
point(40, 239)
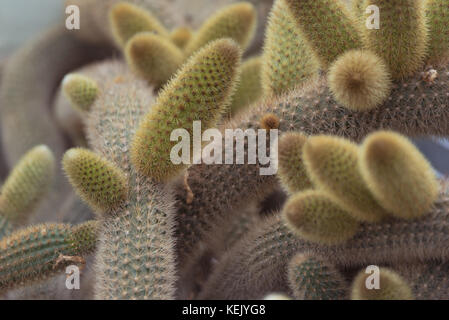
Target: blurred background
point(20, 20)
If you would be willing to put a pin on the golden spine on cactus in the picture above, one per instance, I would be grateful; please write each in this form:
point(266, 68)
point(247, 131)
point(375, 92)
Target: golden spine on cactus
point(249, 89)
point(201, 91)
point(359, 80)
point(287, 59)
point(391, 286)
point(398, 175)
point(237, 22)
point(81, 91)
point(437, 12)
point(327, 26)
point(312, 278)
point(401, 39)
point(96, 180)
point(181, 37)
point(126, 20)
point(332, 165)
point(40, 251)
point(314, 216)
point(30, 179)
point(291, 171)
point(153, 57)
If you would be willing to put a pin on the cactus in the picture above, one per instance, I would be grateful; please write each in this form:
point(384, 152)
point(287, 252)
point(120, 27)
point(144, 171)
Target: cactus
point(403, 30)
point(315, 217)
point(332, 165)
point(287, 60)
point(327, 28)
point(49, 249)
point(153, 57)
point(81, 91)
point(359, 80)
point(312, 278)
point(249, 89)
point(99, 182)
point(181, 37)
point(398, 175)
point(391, 287)
point(238, 22)
point(26, 184)
point(438, 18)
point(207, 78)
point(127, 19)
point(292, 173)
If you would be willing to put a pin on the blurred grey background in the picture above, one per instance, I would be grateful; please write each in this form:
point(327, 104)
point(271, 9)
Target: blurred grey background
point(20, 20)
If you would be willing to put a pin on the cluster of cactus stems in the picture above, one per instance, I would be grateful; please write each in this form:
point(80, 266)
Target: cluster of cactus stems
point(345, 99)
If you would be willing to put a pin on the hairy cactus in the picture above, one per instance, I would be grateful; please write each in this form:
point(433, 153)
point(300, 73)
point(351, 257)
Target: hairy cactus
point(391, 287)
point(49, 247)
point(287, 60)
point(81, 91)
point(181, 37)
point(312, 278)
point(153, 57)
point(127, 19)
point(208, 78)
point(315, 217)
point(398, 175)
point(438, 25)
point(237, 22)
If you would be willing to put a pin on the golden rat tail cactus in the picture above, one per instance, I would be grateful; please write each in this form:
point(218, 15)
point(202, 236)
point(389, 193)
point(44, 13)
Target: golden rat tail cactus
point(200, 92)
point(80, 90)
point(391, 287)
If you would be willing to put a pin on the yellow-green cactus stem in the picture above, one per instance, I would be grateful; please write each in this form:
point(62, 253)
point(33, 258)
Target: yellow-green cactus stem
point(181, 37)
point(401, 39)
point(40, 251)
point(30, 179)
point(398, 175)
point(359, 80)
point(327, 26)
point(391, 287)
point(237, 22)
point(332, 165)
point(96, 180)
point(314, 216)
point(249, 89)
point(153, 57)
point(126, 20)
point(291, 172)
point(201, 91)
point(437, 12)
point(81, 91)
point(287, 60)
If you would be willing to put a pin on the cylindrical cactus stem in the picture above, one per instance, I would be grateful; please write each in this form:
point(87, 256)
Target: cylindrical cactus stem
point(40, 251)
point(327, 26)
point(315, 217)
point(249, 89)
point(332, 165)
point(153, 57)
point(398, 175)
point(80, 90)
point(127, 19)
point(181, 37)
point(200, 92)
point(237, 22)
point(401, 39)
point(391, 287)
point(310, 277)
point(359, 80)
point(292, 172)
point(287, 60)
point(437, 12)
point(96, 180)
point(25, 186)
